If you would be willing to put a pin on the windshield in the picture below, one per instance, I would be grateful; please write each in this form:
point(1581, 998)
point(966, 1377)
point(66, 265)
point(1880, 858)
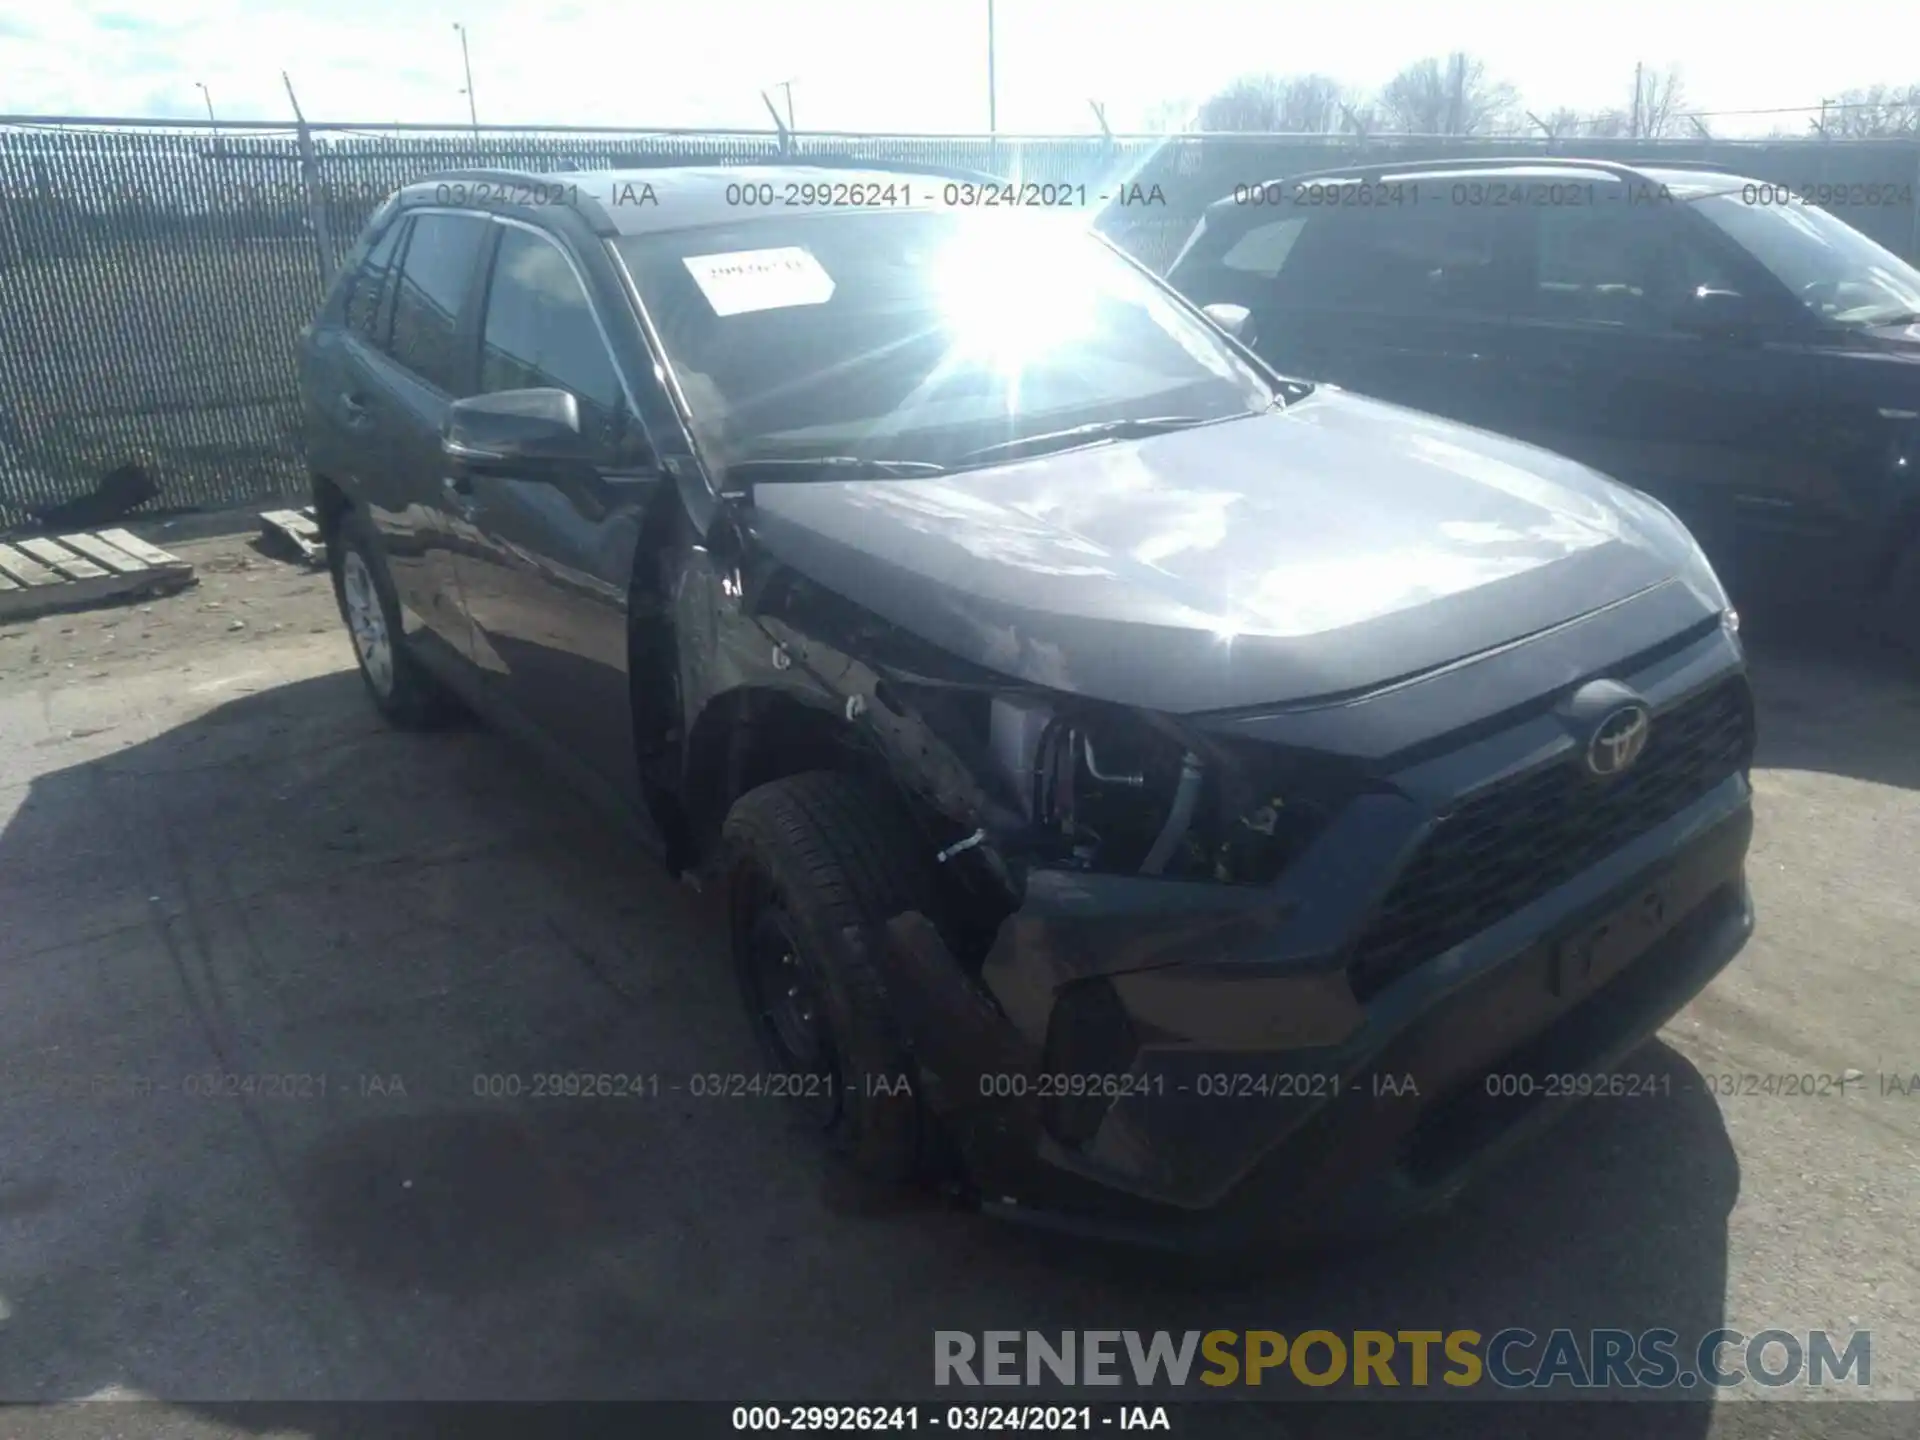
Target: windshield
point(1836, 271)
point(920, 335)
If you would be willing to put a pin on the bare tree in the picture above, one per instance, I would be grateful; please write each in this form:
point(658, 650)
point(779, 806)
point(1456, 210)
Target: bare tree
point(1660, 104)
point(1655, 112)
point(1569, 124)
point(1276, 104)
point(1169, 116)
point(1560, 123)
point(1453, 96)
point(1875, 110)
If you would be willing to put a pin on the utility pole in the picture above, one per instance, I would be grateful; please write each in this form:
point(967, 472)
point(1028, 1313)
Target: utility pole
point(1638, 67)
point(786, 90)
point(466, 65)
point(993, 114)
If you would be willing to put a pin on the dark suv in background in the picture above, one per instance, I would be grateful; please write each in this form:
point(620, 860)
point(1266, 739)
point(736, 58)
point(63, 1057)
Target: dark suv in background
point(1178, 801)
point(1750, 359)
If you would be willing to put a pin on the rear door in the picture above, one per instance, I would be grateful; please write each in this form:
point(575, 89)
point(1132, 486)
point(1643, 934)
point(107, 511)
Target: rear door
point(431, 363)
point(413, 354)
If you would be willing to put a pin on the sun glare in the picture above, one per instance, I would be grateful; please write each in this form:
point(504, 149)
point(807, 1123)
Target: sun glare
point(1013, 290)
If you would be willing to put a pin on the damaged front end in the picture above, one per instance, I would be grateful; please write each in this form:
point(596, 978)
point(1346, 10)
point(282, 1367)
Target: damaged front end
point(1133, 1003)
point(1081, 848)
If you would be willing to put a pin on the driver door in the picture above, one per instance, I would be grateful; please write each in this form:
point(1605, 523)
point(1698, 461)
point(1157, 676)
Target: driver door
point(1736, 433)
point(548, 557)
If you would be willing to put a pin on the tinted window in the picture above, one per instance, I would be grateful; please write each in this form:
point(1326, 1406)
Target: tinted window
point(1419, 259)
point(1616, 264)
point(540, 331)
point(1596, 263)
point(434, 275)
point(365, 314)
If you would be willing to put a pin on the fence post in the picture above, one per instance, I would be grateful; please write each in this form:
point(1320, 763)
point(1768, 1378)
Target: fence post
point(315, 188)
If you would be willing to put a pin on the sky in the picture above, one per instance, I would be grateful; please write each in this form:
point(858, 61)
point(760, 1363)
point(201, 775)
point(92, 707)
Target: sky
point(898, 65)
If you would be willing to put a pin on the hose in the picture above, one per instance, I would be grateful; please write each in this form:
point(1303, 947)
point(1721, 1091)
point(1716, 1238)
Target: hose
point(1179, 816)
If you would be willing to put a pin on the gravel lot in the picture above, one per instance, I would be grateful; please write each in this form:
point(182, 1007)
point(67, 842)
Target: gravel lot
point(213, 858)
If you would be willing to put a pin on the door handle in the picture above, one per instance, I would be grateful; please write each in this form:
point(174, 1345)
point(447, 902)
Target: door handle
point(354, 409)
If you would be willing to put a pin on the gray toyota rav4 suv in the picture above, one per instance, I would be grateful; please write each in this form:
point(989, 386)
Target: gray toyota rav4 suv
point(1166, 799)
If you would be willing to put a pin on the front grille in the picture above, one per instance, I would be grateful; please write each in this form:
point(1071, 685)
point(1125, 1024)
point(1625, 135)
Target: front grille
point(1511, 844)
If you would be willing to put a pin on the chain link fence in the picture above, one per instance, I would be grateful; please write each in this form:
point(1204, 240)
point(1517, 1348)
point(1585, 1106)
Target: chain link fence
point(154, 280)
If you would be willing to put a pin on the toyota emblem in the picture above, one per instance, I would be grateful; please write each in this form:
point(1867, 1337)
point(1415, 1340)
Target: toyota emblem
point(1619, 740)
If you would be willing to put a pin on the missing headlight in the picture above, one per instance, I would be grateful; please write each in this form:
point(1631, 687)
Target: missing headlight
point(1108, 787)
point(1122, 792)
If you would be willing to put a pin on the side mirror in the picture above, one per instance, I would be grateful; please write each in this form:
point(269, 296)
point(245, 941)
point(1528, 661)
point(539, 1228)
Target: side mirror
point(1232, 319)
point(515, 427)
point(1718, 314)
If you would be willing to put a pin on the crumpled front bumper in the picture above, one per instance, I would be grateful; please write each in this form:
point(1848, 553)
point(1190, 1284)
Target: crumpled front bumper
point(1248, 1099)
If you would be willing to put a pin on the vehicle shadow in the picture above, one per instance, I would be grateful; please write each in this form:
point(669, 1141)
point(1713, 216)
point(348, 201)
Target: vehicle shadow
point(404, 933)
point(1832, 702)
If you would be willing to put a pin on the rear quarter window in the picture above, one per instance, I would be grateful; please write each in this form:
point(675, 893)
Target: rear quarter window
point(1238, 268)
point(1263, 249)
point(362, 311)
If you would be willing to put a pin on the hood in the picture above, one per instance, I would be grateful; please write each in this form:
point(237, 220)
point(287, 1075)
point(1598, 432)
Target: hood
point(1332, 547)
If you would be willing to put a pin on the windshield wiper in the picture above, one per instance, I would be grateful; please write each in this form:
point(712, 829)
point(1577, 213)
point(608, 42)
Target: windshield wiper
point(834, 467)
point(1092, 433)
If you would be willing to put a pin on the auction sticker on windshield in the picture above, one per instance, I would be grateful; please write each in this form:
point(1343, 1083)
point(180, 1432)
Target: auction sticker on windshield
point(738, 281)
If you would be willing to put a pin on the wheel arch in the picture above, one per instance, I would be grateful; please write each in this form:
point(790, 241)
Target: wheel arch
point(752, 734)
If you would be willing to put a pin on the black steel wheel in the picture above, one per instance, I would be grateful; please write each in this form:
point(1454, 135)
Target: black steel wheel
point(811, 864)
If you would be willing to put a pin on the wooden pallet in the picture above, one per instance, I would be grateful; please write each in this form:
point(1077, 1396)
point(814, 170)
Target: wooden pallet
point(72, 572)
point(294, 531)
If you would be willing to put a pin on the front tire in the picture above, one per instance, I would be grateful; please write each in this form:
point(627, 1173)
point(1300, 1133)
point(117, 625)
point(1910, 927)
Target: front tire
point(811, 863)
point(401, 688)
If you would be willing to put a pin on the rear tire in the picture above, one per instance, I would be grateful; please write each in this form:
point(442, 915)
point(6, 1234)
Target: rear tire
point(810, 863)
point(402, 690)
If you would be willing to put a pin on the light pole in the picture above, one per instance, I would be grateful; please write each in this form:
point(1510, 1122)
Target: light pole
point(466, 66)
point(786, 91)
point(207, 96)
point(993, 114)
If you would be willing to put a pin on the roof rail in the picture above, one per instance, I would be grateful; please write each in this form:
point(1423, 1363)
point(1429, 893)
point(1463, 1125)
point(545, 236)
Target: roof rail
point(778, 158)
point(586, 206)
point(498, 177)
point(1711, 166)
point(1375, 168)
point(903, 167)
